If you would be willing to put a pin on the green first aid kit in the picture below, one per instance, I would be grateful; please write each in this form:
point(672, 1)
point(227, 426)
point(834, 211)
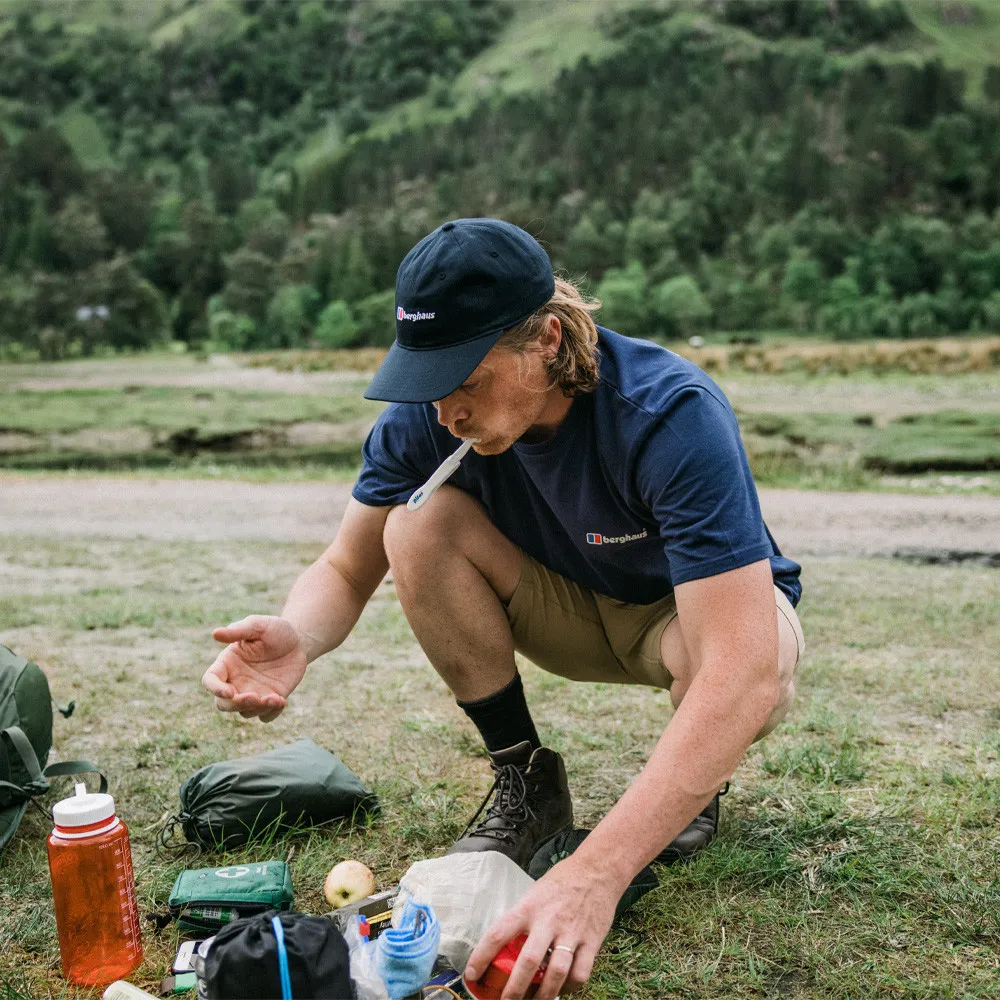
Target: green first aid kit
point(205, 899)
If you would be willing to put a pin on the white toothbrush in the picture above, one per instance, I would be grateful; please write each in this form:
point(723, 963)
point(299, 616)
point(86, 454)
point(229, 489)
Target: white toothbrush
point(441, 473)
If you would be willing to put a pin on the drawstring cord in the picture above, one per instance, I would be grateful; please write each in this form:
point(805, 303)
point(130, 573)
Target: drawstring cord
point(165, 844)
point(286, 979)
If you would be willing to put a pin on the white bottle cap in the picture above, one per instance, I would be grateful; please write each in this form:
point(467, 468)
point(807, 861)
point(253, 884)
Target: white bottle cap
point(83, 808)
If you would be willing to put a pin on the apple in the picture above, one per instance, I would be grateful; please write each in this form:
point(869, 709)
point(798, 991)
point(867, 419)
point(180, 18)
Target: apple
point(347, 883)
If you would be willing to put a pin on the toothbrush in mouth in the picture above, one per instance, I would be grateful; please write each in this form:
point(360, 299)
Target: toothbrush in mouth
point(441, 473)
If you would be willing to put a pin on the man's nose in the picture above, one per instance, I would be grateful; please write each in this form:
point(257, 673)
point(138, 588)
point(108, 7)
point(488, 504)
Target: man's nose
point(450, 411)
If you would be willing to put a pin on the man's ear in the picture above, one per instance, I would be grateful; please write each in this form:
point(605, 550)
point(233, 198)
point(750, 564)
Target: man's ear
point(551, 337)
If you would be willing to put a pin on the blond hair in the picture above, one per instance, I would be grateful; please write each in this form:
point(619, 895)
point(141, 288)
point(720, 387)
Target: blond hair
point(575, 366)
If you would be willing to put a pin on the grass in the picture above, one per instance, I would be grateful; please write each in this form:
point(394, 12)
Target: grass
point(542, 39)
point(941, 441)
point(205, 15)
point(857, 855)
point(969, 43)
point(85, 137)
point(863, 430)
point(169, 409)
point(141, 16)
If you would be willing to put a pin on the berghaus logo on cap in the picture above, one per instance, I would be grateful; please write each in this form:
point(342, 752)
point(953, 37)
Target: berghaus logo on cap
point(401, 313)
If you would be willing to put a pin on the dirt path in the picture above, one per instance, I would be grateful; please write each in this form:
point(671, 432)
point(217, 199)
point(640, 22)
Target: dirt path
point(803, 522)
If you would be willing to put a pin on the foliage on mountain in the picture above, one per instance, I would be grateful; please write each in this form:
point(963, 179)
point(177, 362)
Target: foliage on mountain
point(729, 165)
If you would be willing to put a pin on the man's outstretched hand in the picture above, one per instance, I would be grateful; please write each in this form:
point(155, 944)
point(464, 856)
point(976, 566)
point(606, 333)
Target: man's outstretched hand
point(259, 668)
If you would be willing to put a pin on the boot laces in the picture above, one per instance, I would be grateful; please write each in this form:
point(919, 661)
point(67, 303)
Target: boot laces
point(510, 807)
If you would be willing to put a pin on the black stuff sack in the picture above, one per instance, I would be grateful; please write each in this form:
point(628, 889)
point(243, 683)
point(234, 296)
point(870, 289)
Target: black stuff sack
point(237, 802)
point(562, 845)
point(244, 960)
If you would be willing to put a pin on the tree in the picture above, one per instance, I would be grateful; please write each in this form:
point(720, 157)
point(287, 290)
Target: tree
point(843, 314)
point(230, 179)
point(43, 157)
point(679, 302)
point(125, 206)
point(233, 331)
point(78, 236)
point(585, 252)
point(375, 319)
point(803, 286)
point(624, 301)
point(352, 279)
point(137, 314)
point(290, 315)
point(336, 326)
point(250, 284)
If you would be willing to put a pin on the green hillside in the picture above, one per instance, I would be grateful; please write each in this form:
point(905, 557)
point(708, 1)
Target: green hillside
point(965, 34)
point(250, 172)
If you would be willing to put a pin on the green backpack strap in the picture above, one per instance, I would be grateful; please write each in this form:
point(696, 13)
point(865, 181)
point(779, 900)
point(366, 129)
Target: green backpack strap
point(75, 767)
point(24, 750)
point(38, 785)
point(65, 709)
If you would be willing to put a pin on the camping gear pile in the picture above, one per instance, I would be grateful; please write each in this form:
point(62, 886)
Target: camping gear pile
point(407, 941)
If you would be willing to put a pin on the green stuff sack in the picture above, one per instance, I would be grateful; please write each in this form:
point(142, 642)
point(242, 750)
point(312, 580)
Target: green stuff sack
point(26, 739)
point(237, 802)
point(206, 899)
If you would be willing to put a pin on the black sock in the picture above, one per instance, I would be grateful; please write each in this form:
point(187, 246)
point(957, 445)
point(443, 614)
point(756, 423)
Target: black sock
point(502, 718)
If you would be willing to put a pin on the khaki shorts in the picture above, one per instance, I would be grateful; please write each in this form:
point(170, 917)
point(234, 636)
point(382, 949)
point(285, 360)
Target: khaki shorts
point(569, 630)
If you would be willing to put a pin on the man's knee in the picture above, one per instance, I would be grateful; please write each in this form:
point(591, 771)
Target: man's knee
point(785, 698)
point(410, 535)
point(449, 532)
point(788, 660)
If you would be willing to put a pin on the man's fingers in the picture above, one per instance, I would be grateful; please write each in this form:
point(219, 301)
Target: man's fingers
point(560, 962)
point(215, 681)
point(245, 628)
point(533, 953)
point(502, 931)
point(583, 965)
point(250, 705)
point(272, 714)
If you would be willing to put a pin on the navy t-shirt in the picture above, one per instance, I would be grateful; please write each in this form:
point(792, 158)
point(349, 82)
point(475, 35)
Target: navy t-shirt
point(645, 484)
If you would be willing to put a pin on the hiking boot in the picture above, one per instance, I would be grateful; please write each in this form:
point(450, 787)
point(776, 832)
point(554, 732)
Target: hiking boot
point(531, 805)
point(696, 836)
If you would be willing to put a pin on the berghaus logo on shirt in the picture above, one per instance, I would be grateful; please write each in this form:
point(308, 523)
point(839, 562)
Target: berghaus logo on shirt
point(595, 539)
point(401, 313)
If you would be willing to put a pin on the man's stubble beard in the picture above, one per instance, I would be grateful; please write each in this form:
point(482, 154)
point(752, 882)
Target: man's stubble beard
point(505, 437)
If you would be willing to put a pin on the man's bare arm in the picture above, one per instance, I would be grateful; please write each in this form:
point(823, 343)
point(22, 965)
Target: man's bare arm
point(326, 601)
point(266, 655)
point(729, 625)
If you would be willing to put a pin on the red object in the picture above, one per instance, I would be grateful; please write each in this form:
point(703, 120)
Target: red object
point(94, 892)
point(490, 985)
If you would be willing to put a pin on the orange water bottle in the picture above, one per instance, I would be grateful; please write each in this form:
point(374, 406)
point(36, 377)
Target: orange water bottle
point(90, 862)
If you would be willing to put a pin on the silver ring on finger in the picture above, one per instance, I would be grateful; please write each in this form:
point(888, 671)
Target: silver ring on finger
point(564, 947)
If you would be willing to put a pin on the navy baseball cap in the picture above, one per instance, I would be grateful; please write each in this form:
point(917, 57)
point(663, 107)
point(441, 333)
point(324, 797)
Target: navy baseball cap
point(457, 291)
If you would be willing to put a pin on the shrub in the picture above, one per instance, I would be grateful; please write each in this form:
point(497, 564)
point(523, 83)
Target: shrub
point(681, 305)
point(375, 319)
point(289, 316)
point(336, 326)
point(624, 302)
point(232, 331)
